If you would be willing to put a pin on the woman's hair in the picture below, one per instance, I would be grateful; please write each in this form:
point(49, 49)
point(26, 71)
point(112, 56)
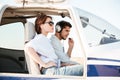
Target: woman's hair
point(40, 20)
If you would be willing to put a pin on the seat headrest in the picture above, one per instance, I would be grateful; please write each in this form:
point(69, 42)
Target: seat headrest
point(29, 31)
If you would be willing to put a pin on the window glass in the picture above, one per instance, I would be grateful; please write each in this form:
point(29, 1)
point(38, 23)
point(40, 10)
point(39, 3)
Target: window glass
point(98, 31)
point(12, 36)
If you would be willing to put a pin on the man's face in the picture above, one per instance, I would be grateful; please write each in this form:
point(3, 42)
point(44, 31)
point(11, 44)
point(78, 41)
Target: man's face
point(65, 32)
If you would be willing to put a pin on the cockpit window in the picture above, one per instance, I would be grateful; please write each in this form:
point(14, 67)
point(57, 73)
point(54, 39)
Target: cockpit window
point(96, 30)
point(12, 59)
point(10, 34)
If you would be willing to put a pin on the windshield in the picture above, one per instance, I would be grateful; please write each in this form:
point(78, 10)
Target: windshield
point(96, 30)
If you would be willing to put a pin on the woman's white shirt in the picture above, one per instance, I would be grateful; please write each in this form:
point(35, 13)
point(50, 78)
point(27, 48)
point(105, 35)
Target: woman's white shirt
point(41, 44)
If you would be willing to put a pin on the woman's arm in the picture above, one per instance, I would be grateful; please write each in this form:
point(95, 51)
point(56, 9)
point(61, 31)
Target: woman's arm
point(30, 51)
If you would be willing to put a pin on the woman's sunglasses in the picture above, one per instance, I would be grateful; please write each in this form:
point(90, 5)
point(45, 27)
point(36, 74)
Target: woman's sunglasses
point(50, 23)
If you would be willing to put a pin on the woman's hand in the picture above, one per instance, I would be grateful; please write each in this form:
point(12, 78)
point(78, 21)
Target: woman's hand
point(66, 64)
point(50, 64)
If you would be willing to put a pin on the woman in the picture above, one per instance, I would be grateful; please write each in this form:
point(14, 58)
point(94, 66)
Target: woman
point(40, 48)
point(42, 52)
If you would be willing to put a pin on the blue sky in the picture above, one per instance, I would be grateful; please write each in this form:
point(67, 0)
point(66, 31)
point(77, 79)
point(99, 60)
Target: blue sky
point(106, 9)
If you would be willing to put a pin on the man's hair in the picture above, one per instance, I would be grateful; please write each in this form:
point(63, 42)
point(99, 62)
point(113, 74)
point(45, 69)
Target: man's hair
point(62, 24)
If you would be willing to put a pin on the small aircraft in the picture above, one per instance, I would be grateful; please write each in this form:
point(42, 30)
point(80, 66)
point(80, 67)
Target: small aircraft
point(97, 42)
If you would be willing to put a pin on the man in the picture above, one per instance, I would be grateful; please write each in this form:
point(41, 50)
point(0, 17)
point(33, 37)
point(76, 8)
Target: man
point(62, 30)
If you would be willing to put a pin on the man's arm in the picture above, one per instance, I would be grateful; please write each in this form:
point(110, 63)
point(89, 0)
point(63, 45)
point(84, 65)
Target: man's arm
point(58, 47)
point(71, 45)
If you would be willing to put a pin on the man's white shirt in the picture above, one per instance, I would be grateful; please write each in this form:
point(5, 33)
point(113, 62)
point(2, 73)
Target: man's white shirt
point(59, 49)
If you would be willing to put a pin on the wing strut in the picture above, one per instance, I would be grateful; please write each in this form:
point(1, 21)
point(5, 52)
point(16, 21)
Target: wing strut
point(24, 2)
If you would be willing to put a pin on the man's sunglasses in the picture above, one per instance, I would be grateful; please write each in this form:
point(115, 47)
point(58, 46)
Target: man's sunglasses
point(50, 23)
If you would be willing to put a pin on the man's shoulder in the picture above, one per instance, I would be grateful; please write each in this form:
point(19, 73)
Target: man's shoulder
point(53, 38)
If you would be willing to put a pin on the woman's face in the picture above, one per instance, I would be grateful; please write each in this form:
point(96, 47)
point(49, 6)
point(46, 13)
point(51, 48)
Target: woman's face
point(48, 26)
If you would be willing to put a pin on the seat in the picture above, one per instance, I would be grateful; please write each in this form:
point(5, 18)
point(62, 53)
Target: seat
point(32, 66)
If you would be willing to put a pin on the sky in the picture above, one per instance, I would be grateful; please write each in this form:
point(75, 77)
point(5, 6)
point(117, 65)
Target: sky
point(106, 9)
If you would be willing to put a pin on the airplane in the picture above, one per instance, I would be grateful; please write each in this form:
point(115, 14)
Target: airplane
point(97, 42)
